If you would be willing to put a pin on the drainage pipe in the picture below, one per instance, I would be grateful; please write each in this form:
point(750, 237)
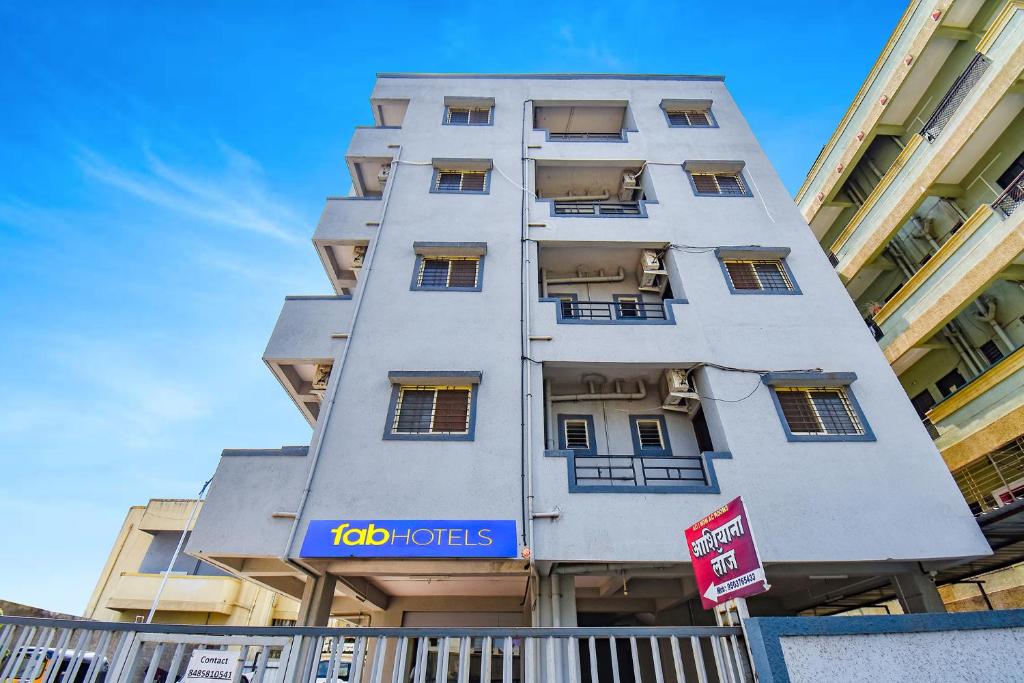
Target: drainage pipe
point(328, 409)
point(580, 198)
point(987, 313)
point(581, 279)
point(549, 417)
point(617, 395)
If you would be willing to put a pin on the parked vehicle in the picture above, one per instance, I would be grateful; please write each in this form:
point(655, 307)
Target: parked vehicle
point(36, 664)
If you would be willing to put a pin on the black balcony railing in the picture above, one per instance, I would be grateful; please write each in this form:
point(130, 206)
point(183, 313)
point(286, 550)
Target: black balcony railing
point(598, 209)
point(876, 331)
point(623, 311)
point(1012, 196)
point(584, 137)
point(956, 94)
point(639, 470)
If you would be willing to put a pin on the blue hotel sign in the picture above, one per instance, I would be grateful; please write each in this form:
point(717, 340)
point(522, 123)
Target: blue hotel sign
point(410, 538)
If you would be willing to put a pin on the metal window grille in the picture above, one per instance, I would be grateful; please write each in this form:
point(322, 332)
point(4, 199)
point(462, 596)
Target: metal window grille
point(448, 271)
point(461, 181)
point(995, 479)
point(469, 116)
point(819, 411)
point(577, 435)
point(955, 96)
point(689, 117)
point(769, 276)
point(432, 410)
point(719, 183)
point(649, 434)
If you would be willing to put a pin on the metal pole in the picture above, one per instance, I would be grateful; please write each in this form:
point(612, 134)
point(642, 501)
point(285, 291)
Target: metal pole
point(177, 551)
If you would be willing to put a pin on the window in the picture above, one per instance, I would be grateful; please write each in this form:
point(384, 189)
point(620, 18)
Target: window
point(950, 382)
point(467, 116)
point(432, 410)
point(761, 276)
point(1011, 173)
point(819, 411)
point(691, 118)
point(649, 434)
point(719, 184)
point(628, 306)
point(448, 272)
point(460, 181)
point(991, 351)
point(576, 435)
point(567, 305)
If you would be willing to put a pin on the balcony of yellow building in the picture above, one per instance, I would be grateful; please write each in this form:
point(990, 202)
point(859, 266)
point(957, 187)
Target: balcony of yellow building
point(963, 126)
point(983, 415)
point(182, 593)
point(987, 248)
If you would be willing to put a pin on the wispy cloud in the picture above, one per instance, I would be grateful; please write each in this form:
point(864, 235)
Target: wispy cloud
point(591, 52)
point(235, 198)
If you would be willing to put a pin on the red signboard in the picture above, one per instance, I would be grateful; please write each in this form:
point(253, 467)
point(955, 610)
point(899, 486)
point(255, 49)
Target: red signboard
point(725, 561)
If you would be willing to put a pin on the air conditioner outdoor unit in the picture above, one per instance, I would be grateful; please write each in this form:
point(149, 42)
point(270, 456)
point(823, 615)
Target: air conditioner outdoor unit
point(358, 255)
point(630, 184)
point(676, 392)
point(321, 373)
point(650, 276)
point(384, 173)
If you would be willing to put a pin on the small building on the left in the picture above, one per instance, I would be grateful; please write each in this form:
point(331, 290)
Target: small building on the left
point(195, 592)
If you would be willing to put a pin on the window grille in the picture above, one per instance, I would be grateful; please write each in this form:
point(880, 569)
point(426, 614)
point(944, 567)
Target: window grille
point(826, 411)
point(469, 116)
point(432, 410)
point(766, 276)
point(689, 117)
point(461, 181)
point(649, 434)
point(448, 271)
point(728, 184)
point(577, 435)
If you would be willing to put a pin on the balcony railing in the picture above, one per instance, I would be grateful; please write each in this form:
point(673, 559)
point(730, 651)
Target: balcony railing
point(98, 652)
point(621, 311)
point(1012, 196)
point(994, 480)
point(639, 470)
point(956, 94)
point(585, 137)
point(598, 209)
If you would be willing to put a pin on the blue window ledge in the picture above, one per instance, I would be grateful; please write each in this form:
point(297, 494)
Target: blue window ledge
point(614, 316)
point(655, 469)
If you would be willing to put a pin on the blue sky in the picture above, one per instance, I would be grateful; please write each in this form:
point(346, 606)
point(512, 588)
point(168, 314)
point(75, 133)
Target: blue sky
point(162, 168)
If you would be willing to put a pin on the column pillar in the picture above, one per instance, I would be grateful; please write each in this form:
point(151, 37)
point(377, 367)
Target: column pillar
point(317, 598)
point(917, 593)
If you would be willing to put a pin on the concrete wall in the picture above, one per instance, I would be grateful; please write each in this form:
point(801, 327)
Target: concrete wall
point(982, 646)
point(811, 501)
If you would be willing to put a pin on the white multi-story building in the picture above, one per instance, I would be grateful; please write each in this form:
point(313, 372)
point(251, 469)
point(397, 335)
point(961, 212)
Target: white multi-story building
point(573, 315)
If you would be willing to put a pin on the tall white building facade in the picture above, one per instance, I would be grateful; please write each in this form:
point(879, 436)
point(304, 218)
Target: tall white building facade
point(574, 314)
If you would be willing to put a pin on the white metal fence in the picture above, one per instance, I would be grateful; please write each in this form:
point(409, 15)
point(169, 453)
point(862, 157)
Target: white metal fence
point(62, 651)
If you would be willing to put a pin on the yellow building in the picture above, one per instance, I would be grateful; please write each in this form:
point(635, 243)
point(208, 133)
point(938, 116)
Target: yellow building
point(917, 200)
point(195, 593)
